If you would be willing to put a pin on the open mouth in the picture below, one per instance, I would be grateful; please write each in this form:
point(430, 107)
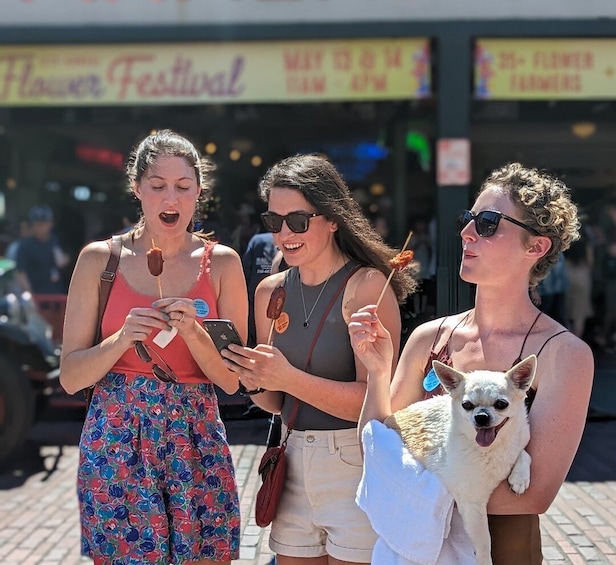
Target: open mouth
point(486, 436)
point(292, 246)
point(169, 218)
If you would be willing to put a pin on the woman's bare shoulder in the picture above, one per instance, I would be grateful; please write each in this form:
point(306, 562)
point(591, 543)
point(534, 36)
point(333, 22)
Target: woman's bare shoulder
point(444, 325)
point(563, 346)
point(370, 276)
point(94, 254)
point(224, 253)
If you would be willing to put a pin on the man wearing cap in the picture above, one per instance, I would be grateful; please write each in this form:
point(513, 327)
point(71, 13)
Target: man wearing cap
point(39, 257)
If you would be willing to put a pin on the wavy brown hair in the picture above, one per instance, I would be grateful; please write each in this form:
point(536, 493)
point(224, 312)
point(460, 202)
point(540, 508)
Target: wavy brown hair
point(545, 204)
point(321, 184)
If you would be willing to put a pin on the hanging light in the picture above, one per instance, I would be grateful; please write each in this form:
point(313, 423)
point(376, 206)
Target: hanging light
point(377, 189)
point(584, 130)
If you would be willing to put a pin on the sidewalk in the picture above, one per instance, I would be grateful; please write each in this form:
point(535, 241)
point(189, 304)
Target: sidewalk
point(39, 522)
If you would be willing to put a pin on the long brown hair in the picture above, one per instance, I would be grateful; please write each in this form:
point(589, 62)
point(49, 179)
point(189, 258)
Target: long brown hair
point(321, 184)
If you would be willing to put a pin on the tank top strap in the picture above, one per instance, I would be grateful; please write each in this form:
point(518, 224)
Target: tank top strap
point(438, 332)
point(442, 354)
point(531, 392)
point(550, 339)
point(206, 258)
point(519, 357)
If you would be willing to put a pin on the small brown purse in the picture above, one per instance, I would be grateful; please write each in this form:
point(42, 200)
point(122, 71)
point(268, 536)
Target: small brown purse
point(273, 465)
point(273, 471)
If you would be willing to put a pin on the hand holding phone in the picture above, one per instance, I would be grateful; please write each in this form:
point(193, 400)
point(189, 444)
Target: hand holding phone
point(223, 333)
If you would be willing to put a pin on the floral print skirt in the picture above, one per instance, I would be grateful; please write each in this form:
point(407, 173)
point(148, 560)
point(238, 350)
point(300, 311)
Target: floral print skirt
point(156, 482)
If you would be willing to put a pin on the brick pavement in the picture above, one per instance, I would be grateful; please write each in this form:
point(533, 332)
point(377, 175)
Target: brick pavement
point(39, 522)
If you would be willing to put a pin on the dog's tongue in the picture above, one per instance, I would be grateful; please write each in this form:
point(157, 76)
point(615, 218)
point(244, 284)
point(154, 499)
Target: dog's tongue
point(485, 436)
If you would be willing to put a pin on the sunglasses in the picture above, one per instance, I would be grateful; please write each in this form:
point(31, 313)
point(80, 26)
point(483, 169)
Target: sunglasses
point(144, 353)
point(298, 222)
point(486, 222)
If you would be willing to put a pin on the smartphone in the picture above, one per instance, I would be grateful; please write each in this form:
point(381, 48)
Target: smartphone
point(222, 332)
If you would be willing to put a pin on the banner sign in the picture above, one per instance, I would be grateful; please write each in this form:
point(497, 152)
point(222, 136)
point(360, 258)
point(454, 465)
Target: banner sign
point(202, 73)
point(545, 69)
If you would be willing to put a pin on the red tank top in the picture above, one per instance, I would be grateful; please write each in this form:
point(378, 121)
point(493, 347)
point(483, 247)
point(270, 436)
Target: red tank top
point(122, 298)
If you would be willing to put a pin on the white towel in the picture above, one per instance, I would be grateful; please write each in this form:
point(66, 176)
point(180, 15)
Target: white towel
point(409, 508)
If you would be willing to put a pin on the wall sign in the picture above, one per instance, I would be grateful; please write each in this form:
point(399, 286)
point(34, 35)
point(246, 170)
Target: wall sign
point(453, 162)
point(189, 73)
point(542, 69)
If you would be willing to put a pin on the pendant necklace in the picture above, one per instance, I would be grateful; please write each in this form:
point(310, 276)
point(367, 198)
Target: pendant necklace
point(301, 289)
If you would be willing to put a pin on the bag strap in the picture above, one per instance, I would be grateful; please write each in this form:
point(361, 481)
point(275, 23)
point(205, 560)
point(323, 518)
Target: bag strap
point(314, 342)
point(107, 278)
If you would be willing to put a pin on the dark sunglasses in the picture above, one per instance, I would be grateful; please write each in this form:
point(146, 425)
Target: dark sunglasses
point(298, 222)
point(486, 222)
point(165, 375)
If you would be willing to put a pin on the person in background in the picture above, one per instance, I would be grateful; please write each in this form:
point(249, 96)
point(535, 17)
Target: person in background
point(39, 257)
point(257, 264)
point(24, 232)
point(421, 244)
point(550, 295)
point(520, 223)
point(246, 228)
point(579, 261)
point(606, 232)
point(324, 237)
point(156, 482)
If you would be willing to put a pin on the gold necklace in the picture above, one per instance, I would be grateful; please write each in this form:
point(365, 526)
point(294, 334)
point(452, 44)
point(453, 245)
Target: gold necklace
point(301, 290)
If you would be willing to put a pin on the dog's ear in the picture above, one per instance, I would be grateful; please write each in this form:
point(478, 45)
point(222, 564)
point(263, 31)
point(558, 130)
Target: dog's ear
point(449, 377)
point(523, 373)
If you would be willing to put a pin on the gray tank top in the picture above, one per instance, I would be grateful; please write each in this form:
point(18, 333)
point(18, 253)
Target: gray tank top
point(332, 357)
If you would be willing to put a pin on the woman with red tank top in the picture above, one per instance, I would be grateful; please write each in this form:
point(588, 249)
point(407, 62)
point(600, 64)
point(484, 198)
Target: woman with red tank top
point(520, 222)
point(156, 482)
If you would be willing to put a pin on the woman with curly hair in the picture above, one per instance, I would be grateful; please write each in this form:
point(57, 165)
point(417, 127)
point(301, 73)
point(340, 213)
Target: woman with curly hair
point(325, 239)
point(519, 224)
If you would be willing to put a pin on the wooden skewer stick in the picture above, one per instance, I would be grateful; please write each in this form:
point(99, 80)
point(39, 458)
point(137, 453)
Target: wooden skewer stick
point(385, 287)
point(391, 274)
point(271, 332)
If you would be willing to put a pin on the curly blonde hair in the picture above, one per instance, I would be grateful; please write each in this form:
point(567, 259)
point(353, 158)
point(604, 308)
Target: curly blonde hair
point(545, 204)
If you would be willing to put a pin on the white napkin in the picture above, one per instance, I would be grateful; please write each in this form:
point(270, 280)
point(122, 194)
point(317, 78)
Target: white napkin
point(408, 506)
point(164, 337)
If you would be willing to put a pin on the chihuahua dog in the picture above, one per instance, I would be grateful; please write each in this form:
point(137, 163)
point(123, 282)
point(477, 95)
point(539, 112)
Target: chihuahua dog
point(473, 439)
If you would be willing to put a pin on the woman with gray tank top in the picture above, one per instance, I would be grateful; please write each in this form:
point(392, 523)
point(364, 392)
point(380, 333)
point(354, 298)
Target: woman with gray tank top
point(337, 264)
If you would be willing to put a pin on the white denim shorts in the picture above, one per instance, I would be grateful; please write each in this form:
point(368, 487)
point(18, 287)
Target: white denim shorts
point(317, 514)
